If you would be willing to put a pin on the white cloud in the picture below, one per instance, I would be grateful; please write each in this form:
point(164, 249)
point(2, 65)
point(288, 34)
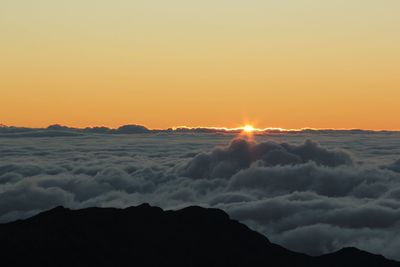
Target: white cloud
point(306, 196)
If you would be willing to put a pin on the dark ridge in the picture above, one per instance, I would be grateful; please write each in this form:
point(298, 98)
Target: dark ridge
point(148, 236)
point(349, 257)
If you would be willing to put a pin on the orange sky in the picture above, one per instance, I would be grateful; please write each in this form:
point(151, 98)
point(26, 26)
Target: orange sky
point(288, 63)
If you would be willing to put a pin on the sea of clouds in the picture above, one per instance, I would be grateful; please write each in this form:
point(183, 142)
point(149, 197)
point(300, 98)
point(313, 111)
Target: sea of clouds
point(310, 192)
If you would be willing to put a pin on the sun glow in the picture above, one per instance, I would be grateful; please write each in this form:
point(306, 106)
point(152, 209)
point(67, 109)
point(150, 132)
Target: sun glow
point(248, 129)
point(248, 132)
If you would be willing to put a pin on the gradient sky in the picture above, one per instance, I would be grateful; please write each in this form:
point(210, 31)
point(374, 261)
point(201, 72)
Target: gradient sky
point(283, 63)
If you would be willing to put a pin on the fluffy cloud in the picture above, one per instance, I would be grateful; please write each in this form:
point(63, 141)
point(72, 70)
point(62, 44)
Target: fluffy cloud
point(306, 196)
point(240, 154)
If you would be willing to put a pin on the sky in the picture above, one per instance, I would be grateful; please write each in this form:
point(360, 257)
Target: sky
point(286, 63)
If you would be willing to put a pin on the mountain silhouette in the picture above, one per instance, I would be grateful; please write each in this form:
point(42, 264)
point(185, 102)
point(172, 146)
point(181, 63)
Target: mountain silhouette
point(149, 236)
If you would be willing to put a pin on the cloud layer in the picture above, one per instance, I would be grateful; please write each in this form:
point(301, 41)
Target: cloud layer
point(309, 196)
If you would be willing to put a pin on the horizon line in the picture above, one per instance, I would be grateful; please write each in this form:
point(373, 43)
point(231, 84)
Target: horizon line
point(216, 128)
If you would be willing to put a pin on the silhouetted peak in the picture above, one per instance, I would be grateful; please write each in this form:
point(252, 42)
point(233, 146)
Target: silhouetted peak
point(59, 208)
point(350, 256)
point(144, 206)
point(58, 127)
point(52, 212)
point(352, 251)
point(55, 210)
point(211, 213)
point(144, 209)
point(147, 235)
point(131, 129)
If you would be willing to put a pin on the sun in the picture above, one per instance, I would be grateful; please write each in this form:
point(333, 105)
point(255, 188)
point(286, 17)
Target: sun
point(248, 128)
